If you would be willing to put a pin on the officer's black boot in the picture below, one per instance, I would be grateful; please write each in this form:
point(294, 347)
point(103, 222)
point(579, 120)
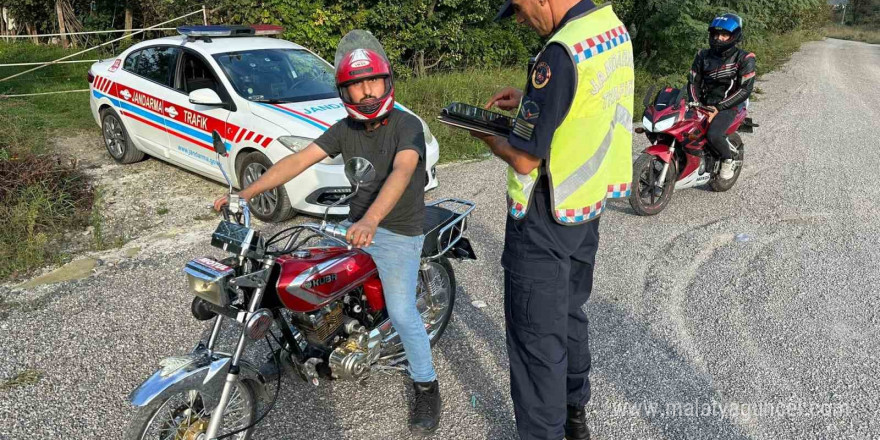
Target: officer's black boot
point(425, 414)
point(576, 424)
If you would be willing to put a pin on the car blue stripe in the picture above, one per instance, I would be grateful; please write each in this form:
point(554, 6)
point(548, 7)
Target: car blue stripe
point(168, 123)
point(278, 109)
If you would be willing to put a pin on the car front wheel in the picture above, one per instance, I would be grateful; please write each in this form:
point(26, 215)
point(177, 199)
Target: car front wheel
point(271, 206)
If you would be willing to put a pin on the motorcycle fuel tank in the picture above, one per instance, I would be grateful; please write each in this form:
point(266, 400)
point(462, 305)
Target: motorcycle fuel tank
point(310, 279)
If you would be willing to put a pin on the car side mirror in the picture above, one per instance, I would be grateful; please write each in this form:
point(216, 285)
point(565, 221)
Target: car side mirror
point(205, 97)
point(359, 171)
point(219, 145)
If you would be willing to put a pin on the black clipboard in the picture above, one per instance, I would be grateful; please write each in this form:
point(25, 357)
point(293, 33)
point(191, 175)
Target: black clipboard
point(469, 117)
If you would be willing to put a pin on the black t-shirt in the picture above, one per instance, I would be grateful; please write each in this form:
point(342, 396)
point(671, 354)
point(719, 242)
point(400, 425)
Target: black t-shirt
point(401, 131)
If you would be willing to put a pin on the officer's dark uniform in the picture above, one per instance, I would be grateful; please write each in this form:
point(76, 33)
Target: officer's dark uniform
point(548, 269)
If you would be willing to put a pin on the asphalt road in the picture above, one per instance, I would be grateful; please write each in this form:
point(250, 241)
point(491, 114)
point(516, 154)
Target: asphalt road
point(695, 334)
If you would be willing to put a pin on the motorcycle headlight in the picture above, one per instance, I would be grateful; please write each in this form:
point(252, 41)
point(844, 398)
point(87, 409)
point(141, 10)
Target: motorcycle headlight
point(664, 125)
point(299, 143)
point(208, 279)
point(646, 123)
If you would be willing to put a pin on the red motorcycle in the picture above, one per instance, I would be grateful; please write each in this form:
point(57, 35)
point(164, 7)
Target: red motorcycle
point(325, 299)
point(678, 157)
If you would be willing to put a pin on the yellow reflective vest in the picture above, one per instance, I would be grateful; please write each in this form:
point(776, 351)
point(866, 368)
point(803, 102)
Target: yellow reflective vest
point(591, 151)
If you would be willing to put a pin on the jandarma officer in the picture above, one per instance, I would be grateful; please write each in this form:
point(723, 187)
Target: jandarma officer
point(570, 150)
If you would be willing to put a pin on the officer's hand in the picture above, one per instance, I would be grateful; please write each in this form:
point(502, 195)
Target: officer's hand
point(361, 233)
point(222, 200)
point(506, 99)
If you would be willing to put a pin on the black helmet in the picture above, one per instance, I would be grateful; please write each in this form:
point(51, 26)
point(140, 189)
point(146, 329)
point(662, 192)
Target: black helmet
point(728, 22)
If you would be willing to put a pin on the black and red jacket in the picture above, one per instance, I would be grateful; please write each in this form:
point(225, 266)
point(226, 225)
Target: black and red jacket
point(722, 81)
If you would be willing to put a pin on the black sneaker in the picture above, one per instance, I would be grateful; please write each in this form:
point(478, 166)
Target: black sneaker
point(576, 424)
point(425, 414)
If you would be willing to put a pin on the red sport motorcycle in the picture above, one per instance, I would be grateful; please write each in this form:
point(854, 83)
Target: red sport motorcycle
point(325, 299)
point(678, 157)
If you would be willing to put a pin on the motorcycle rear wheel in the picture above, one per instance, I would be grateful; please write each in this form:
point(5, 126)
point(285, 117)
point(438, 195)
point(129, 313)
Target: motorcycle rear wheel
point(719, 185)
point(436, 310)
point(182, 416)
point(647, 198)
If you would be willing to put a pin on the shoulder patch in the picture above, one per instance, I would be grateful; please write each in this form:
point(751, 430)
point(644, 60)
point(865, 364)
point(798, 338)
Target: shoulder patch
point(541, 75)
point(529, 110)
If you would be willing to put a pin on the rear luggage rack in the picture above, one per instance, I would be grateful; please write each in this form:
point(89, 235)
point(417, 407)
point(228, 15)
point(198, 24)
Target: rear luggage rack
point(453, 231)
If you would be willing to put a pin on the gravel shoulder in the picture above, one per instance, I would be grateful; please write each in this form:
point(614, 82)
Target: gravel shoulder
point(695, 333)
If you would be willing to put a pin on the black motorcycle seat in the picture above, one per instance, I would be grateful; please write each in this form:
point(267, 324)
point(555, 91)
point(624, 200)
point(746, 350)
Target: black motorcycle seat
point(435, 219)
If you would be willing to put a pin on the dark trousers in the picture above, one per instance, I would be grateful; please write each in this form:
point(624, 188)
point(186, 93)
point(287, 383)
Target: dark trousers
point(548, 277)
point(718, 133)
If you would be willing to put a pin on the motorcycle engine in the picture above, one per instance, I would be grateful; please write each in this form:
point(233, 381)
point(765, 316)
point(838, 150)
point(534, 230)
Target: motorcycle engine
point(351, 360)
point(321, 326)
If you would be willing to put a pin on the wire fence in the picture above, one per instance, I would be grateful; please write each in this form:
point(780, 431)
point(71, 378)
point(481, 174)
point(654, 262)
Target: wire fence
point(38, 65)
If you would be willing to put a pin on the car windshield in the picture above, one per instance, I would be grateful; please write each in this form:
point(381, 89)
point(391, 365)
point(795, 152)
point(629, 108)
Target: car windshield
point(278, 75)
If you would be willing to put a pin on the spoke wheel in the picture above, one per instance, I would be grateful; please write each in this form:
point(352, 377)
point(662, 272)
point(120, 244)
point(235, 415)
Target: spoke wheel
point(435, 298)
point(183, 416)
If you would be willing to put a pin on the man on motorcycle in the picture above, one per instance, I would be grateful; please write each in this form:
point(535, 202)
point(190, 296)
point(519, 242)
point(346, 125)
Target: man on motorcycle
point(722, 78)
point(386, 216)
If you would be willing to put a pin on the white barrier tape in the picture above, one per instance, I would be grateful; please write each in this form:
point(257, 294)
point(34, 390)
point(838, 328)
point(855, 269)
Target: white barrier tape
point(115, 31)
point(44, 62)
point(40, 94)
point(200, 11)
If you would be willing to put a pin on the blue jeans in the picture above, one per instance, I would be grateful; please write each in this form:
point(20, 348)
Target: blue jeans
point(398, 258)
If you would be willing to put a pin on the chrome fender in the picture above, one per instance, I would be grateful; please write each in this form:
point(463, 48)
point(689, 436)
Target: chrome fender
point(196, 371)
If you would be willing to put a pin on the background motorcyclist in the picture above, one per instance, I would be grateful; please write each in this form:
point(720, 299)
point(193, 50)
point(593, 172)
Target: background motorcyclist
point(722, 78)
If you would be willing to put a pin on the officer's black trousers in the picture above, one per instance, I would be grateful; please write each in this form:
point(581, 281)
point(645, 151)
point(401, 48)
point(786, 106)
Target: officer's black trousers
point(548, 277)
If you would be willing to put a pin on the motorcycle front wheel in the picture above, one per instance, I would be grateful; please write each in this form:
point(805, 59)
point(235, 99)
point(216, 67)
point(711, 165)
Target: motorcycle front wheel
point(647, 197)
point(183, 416)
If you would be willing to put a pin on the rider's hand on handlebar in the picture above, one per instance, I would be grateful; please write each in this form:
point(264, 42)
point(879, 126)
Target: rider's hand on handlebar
point(222, 200)
point(361, 233)
point(506, 99)
point(713, 111)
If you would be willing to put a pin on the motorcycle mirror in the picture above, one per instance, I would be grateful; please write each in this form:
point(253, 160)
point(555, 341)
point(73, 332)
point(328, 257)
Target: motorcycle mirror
point(359, 171)
point(219, 145)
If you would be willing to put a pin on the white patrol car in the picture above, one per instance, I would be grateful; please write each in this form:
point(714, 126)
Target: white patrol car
point(267, 97)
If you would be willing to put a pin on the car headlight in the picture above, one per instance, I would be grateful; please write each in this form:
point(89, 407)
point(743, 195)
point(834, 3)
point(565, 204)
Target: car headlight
point(664, 125)
point(646, 124)
point(299, 143)
point(429, 138)
point(295, 143)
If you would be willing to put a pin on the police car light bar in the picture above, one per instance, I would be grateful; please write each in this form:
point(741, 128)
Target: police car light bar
point(215, 31)
point(267, 29)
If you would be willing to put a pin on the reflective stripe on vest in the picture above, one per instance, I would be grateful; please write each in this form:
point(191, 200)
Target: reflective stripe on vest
point(591, 151)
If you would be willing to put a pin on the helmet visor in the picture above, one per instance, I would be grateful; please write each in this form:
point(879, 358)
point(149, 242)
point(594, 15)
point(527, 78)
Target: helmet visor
point(724, 24)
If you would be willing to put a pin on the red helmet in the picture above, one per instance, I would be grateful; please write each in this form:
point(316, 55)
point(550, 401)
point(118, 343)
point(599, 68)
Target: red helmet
point(358, 65)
